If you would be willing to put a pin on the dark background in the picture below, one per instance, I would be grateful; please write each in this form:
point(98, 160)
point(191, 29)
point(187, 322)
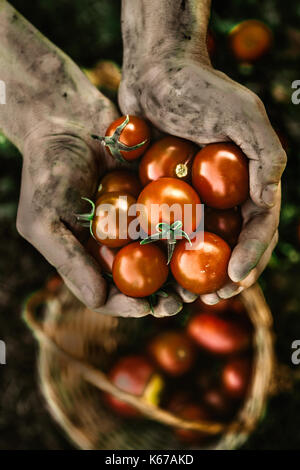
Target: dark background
point(89, 31)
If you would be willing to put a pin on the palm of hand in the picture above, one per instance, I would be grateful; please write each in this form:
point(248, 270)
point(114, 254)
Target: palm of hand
point(205, 106)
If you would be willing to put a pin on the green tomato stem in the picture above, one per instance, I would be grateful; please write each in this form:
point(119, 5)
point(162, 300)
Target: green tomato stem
point(170, 233)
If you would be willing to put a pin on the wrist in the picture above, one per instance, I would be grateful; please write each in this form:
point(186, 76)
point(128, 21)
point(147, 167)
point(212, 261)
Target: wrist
point(164, 29)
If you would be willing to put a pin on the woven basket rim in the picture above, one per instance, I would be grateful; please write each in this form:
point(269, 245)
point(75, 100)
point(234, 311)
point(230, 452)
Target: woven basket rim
point(263, 322)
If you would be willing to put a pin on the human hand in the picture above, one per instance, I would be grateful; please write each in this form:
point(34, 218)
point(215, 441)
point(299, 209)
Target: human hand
point(52, 109)
point(62, 163)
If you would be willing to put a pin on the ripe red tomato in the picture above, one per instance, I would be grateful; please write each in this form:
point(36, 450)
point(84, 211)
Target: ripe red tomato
point(120, 181)
point(225, 223)
point(173, 352)
point(135, 375)
point(168, 157)
point(220, 334)
point(140, 270)
point(220, 175)
point(103, 254)
point(134, 133)
point(202, 267)
point(236, 376)
point(164, 193)
point(250, 40)
point(192, 412)
point(111, 208)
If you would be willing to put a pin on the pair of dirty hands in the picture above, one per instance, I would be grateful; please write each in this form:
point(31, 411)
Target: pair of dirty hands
point(62, 163)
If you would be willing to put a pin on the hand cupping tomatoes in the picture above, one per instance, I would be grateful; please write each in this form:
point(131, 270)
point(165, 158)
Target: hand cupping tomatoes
point(161, 200)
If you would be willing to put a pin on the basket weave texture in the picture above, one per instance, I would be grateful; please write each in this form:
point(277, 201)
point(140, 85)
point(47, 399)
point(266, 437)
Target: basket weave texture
point(76, 348)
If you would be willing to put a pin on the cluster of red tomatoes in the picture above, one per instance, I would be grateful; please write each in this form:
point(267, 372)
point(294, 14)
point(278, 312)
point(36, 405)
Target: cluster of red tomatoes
point(172, 173)
point(200, 372)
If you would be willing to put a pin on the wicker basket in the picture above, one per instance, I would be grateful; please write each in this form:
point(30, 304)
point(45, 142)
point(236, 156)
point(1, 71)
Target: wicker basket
point(77, 346)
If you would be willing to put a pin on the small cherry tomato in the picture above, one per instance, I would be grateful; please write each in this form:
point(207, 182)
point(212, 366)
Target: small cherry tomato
point(192, 412)
point(250, 40)
point(103, 254)
point(157, 199)
point(225, 223)
point(220, 175)
point(135, 132)
point(201, 267)
point(135, 375)
point(236, 376)
point(111, 220)
point(173, 352)
point(120, 181)
point(220, 334)
point(168, 157)
point(140, 270)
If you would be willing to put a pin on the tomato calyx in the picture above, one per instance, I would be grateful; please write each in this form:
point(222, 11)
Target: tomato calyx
point(115, 145)
point(86, 219)
point(170, 233)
